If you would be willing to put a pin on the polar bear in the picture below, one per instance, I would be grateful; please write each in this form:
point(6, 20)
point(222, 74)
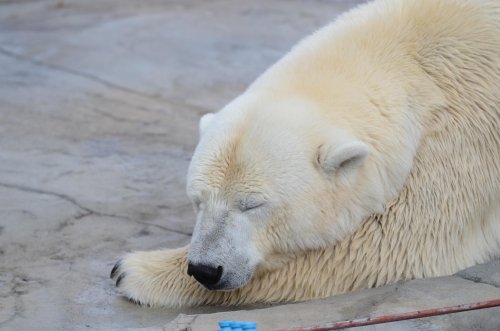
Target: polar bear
point(369, 154)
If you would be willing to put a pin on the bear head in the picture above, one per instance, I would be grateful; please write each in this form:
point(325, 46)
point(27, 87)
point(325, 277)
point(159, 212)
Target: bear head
point(271, 179)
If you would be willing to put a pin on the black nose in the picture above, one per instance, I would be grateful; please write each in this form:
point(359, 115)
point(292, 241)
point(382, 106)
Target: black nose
point(205, 274)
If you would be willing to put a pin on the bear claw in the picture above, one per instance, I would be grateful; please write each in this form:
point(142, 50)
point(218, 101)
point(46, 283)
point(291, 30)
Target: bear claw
point(119, 279)
point(115, 269)
point(134, 301)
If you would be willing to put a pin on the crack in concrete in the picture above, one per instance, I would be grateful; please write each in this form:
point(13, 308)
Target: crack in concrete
point(87, 211)
point(100, 80)
point(113, 117)
point(120, 119)
point(18, 311)
point(66, 70)
point(165, 228)
point(63, 174)
point(182, 323)
point(16, 282)
point(477, 280)
point(54, 194)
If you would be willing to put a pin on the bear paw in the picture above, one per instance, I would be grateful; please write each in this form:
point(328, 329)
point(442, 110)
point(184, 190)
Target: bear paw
point(153, 278)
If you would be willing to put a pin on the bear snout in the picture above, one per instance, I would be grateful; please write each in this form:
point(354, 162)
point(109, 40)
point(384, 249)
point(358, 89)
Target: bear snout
point(206, 275)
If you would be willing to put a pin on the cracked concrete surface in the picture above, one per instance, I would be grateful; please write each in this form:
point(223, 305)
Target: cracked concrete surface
point(99, 108)
point(397, 298)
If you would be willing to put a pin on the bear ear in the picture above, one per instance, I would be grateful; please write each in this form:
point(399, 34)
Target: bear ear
point(205, 120)
point(342, 159)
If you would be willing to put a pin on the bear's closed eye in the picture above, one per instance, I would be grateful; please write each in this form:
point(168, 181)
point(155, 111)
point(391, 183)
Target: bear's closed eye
point(250, 204)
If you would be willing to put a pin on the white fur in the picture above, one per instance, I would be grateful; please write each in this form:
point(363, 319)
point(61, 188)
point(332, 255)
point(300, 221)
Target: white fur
point(369, 154)
point(205, 121)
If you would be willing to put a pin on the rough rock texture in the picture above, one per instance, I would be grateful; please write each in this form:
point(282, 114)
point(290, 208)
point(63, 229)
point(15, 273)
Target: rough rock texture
point(99, 108)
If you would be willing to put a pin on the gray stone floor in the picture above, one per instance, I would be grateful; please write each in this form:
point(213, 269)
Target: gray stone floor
point(99, 105)
point(476, 284)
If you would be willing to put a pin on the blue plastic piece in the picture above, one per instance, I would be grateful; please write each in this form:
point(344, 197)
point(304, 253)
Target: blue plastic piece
point(249, 326)
point(236, 324)
point(225, 324)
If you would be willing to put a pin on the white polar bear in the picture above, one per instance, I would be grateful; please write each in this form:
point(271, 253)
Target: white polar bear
point(369, 154)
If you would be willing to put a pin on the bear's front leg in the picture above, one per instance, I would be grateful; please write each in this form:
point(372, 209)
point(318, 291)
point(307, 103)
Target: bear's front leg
point(159, 278)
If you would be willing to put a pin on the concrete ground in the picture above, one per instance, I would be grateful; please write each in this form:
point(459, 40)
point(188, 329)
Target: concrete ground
point(99, 107)
point(476, 284)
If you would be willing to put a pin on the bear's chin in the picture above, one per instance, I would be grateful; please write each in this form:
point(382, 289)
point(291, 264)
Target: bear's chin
point(229, 283)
